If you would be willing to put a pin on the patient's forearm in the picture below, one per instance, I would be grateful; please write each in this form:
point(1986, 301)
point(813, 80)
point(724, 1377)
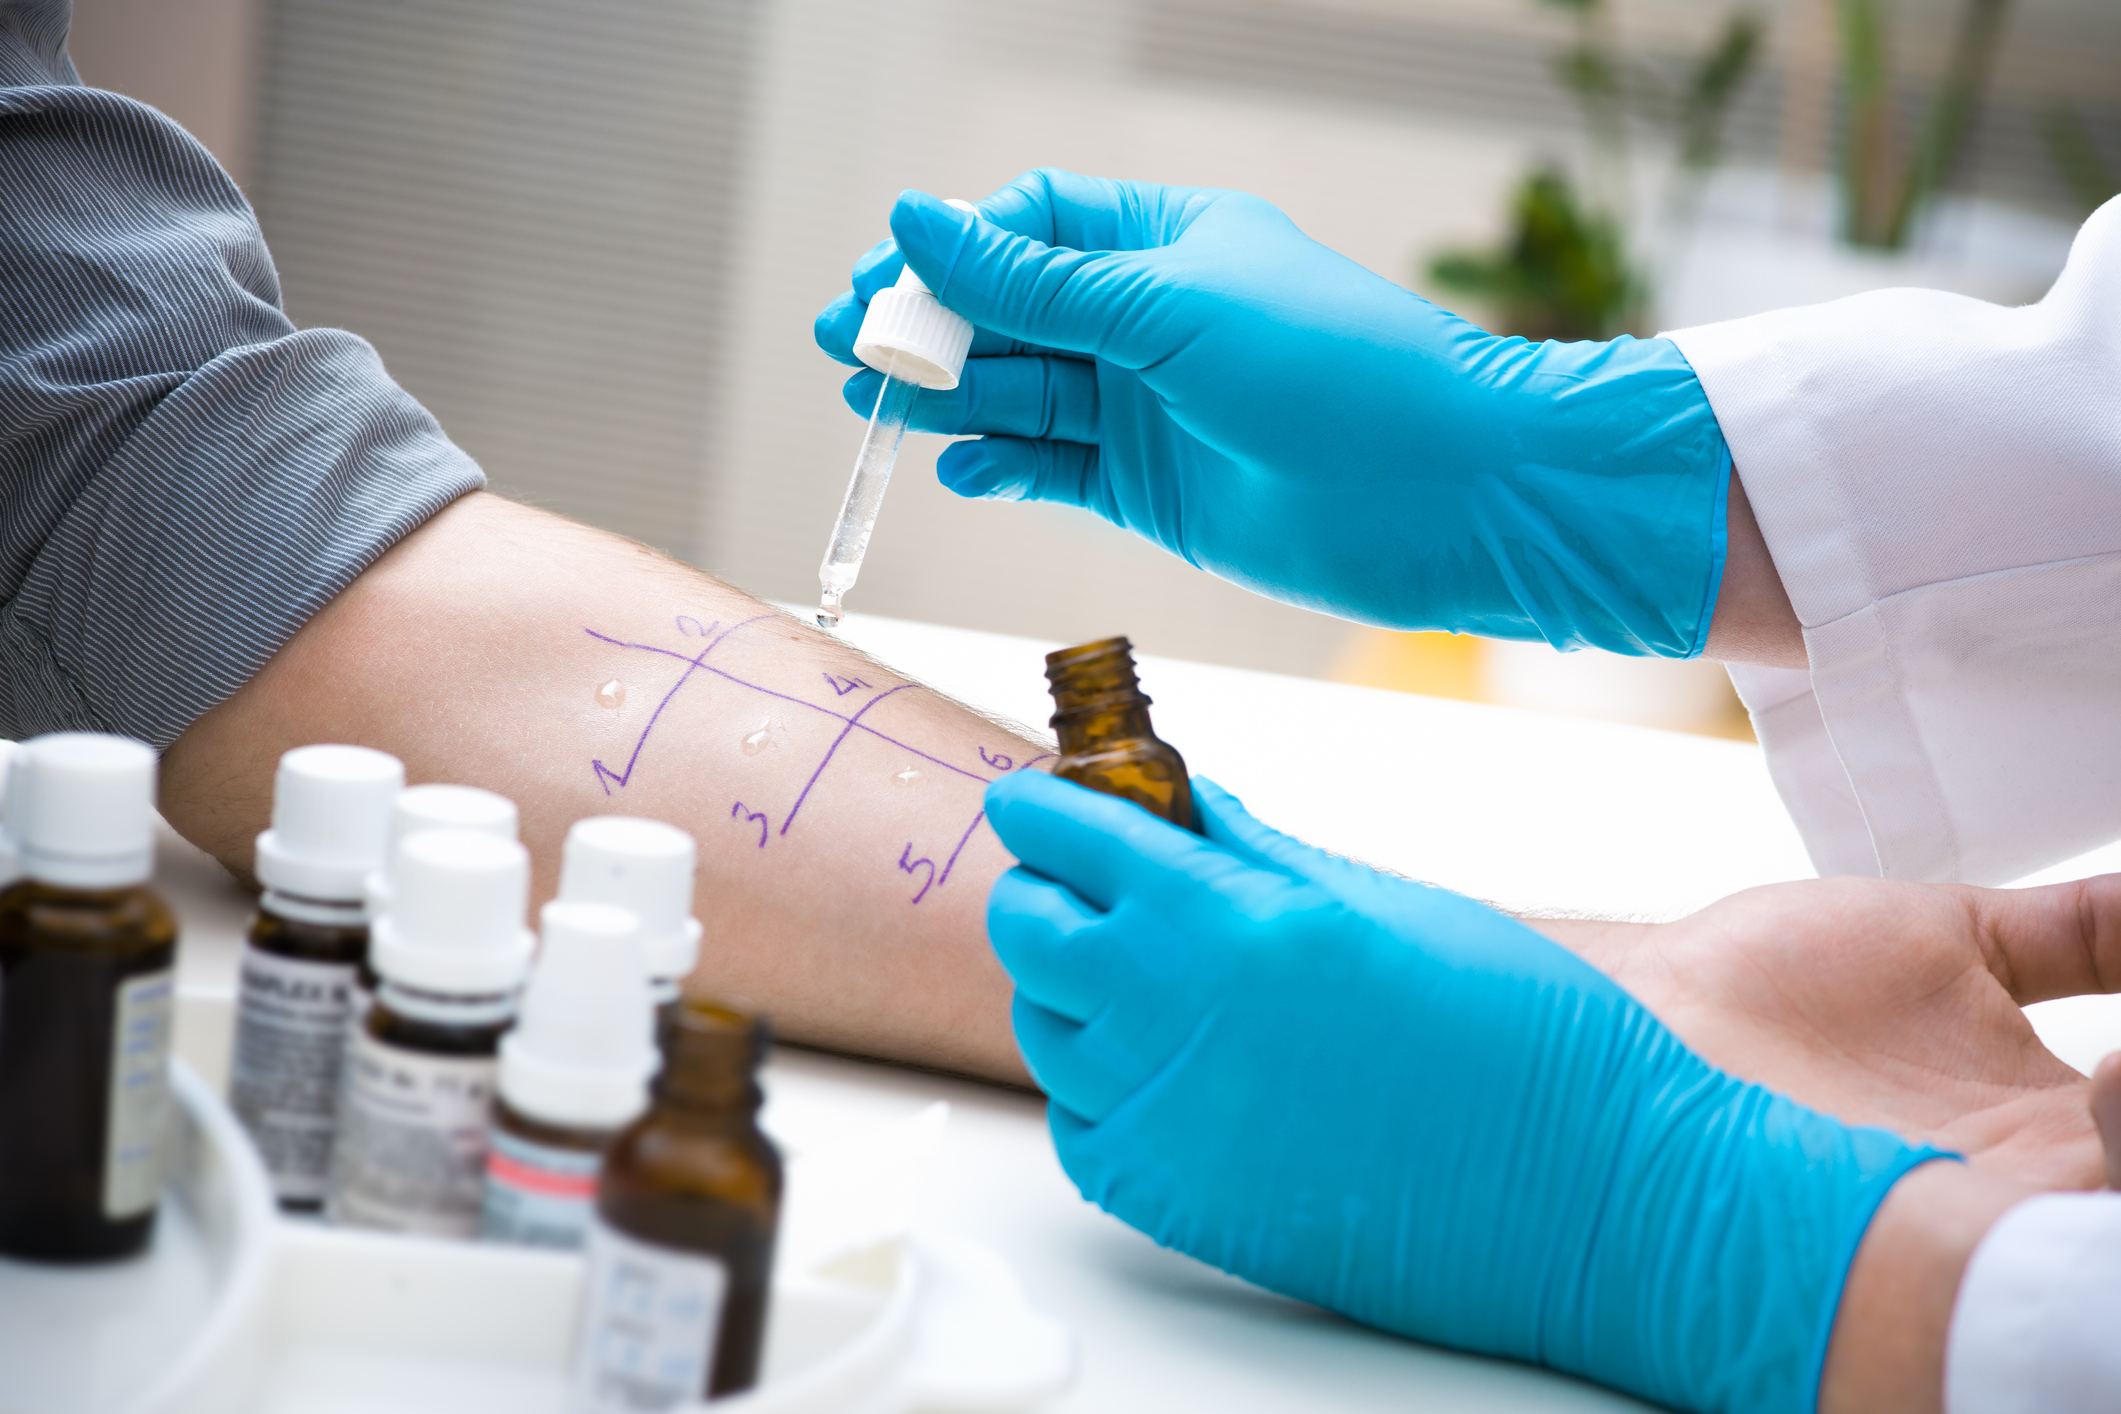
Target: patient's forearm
point(844, 860)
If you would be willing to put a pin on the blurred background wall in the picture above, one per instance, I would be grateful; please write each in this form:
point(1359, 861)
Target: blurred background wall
point(592, 234)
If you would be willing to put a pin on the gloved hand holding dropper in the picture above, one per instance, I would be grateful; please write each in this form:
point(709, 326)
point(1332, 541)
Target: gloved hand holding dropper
point(1189, 365)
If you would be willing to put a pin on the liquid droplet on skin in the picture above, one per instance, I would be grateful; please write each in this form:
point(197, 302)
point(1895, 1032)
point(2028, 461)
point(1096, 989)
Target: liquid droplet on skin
point(611, 694)
point(759, 740)
point(908, 777)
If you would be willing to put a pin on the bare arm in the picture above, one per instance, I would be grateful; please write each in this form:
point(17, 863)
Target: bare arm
point(844, 861)
point(1754, 622)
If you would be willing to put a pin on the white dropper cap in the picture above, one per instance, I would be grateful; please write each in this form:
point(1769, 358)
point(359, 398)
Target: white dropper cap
point(455, 924)
point(438, 807)
point(10, 864)
point(82, 808)
point(645, 866)
point(331, 809)
point(583, 1050)
point(908, 334)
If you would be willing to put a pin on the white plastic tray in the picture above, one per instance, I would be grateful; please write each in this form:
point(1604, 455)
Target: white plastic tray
point(86, 1340)
point(239, 1311)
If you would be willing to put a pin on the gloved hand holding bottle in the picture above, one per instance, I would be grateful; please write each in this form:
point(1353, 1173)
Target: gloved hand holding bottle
point(1396, 1103)
point(1189, 365)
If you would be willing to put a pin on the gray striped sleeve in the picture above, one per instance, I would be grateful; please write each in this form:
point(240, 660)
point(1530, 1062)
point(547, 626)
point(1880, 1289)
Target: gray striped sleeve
point(185, 478)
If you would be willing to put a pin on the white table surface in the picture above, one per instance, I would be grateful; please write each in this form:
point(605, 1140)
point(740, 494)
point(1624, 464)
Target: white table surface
point(1528, 811)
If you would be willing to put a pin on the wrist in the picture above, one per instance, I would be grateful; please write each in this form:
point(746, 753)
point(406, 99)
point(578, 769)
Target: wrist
point(1886, 1355)
point(1753, 621)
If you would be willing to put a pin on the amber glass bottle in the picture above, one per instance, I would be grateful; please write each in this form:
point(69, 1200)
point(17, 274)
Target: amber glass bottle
point(86, 996)
point(687, 1206)
point(1106, 742)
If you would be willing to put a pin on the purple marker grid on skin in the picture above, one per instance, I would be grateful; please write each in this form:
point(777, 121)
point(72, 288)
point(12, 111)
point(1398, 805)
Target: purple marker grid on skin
point(697, 664)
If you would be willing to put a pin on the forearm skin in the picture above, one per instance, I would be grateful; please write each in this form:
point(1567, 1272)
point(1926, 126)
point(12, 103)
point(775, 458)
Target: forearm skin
point(835, 890)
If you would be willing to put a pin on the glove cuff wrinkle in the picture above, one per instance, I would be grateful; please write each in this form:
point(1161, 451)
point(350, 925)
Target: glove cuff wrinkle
point(1616, 485)
point(1737, 1261)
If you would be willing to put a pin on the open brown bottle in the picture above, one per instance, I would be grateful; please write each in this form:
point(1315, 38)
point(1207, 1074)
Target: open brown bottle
point(1106, 742)
point(681, 1247)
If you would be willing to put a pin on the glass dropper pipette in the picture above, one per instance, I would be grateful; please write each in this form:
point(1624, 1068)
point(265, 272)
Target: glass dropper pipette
point(865, 494)
point(915, 343)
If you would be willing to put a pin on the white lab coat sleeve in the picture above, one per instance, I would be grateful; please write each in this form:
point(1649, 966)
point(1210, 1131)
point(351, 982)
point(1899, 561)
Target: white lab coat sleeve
point(1939, 483)
point(2032, 1329)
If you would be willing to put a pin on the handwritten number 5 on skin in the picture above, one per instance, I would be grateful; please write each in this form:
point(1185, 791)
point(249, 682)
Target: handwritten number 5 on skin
point(906, 855)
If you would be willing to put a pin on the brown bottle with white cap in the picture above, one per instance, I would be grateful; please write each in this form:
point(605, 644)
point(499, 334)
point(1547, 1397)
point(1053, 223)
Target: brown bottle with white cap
point(301, 962)
point(87, 958)
point(415, 1104)
point(433, 806)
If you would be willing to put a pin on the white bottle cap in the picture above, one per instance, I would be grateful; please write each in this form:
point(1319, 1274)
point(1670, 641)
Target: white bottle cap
point(10, 865)
point(442, 807)
point(908, 334)
point(331, 809)
point(438, 807)
point(455, 924)
point(82, 805)
point(583, 1049)
point(645, 866)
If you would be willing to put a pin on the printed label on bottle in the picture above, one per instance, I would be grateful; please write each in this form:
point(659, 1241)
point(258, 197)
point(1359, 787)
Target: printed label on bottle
point(411, 1150)
point(291, 1018)
point(650, 1319)
point(360, 1000)
point(139, 1094)
point(536, 1194)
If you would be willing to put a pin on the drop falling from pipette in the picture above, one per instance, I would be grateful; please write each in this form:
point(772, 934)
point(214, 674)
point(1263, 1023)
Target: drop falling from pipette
point(865, 496)
point(909, 337)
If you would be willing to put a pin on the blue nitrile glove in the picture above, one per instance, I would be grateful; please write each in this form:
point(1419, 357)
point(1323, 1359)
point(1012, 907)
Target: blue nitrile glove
point(1392, 1101)
point(1189, 365)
